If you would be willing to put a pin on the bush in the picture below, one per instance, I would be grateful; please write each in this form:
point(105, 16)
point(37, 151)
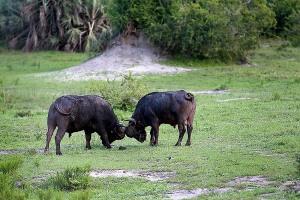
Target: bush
point(8, 167)
point(23, 113)
point(10, 164)
point(122, 94)
point(298, 164)
point(72, 178)
point(223, 30)
point(293, 32)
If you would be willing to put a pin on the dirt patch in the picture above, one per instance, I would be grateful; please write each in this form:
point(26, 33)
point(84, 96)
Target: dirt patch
point(254, 180)
point(151, 176)
point(251, 183)
point(211, 92)
point(187, 194)
point(32, 151)
point(6, 152)
point(293, 186)
point(136, 57)
point(248, 183)
point(235, 99)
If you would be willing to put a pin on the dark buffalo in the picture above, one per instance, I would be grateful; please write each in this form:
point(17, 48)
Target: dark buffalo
point(89, 113)
point(154, 109)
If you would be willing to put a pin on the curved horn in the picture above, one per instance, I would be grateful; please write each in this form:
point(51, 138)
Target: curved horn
point(120, 125)
point(129, 130)
point(131, 120)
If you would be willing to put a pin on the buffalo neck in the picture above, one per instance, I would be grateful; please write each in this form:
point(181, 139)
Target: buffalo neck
point(140, 121)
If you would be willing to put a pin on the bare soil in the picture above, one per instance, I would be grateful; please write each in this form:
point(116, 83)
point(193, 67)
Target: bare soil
point(151, 176)
point(246, 183)
point(132, 54)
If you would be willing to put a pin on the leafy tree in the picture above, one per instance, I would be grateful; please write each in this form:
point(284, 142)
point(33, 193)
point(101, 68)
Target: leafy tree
point(287, 18)
point(293, 32)
point(284, 10)
point(214, 29)
point(138, 12)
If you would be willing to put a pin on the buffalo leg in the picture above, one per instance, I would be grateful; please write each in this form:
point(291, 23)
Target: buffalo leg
point(182, 130)
point(58, 137)
point(49, 136)
point(189, 130)
point(154, 135)
point(51, 123)
point(88, 136)
point(104, 138)
point(105, 141)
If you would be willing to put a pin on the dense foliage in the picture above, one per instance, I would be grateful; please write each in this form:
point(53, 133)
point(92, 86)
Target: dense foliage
point(287, 18)
point(79, 25)
point(223, 30)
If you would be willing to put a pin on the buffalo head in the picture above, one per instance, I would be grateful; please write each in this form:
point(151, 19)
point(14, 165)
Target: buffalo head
point(118, 133)
point(135, 130)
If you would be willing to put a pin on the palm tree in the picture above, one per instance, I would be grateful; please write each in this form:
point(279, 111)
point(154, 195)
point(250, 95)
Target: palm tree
point(75, 25)
point(87, 26)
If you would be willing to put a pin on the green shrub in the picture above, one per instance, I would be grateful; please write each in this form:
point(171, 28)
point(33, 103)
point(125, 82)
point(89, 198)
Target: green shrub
point(23, 113)
point(10, 164)
point(222, 87)
point(49, 194)
point(8, 167)
point(222, 30)
point(121, 95)
point(72, 178)
point(80, 195)
point(298, 164)
point(276, 96)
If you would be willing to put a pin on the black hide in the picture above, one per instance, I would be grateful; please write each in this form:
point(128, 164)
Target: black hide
point(154, 109)
point(90, 113)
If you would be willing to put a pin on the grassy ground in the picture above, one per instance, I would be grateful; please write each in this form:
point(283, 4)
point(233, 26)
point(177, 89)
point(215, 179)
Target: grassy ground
point(252, 129)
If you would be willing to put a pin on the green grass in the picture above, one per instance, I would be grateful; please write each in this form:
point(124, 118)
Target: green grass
point(253, 129)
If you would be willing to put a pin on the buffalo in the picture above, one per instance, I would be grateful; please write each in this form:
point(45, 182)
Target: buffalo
point(90, 113)
point(154, 109)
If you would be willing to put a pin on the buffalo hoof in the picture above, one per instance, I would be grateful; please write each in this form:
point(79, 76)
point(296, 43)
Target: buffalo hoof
point(58, 153)
point(153, 144)
point(178, 144)
point(188, 144)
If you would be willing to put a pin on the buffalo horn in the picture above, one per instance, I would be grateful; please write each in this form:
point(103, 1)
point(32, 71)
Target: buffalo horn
point(131, 120)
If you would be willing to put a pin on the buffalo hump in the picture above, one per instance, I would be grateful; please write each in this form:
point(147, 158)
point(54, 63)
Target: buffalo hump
point(65, 104)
